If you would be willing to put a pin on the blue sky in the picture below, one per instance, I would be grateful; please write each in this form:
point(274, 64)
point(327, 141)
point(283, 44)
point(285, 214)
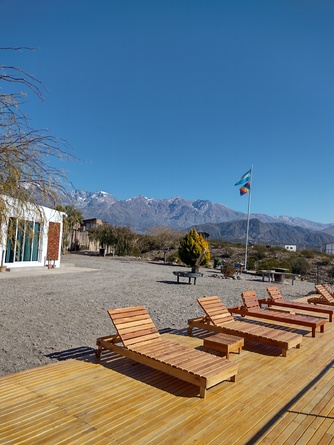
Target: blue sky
point(167, 98)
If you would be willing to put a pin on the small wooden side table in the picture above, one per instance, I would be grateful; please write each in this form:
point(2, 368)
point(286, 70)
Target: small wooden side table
point(224, 343)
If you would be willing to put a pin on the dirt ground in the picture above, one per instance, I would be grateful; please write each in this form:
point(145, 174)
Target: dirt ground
point(45, 314)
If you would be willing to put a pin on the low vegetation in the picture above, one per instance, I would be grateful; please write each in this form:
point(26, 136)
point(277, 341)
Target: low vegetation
point(170, 246)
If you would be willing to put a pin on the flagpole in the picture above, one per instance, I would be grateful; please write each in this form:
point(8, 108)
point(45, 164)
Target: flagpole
point(248, 216)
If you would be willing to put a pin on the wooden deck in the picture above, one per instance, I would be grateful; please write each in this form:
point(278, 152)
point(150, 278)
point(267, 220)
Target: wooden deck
point(281, 400)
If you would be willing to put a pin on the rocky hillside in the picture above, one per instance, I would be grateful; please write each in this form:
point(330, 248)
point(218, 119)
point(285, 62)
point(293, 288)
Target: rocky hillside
point(220, 222)
point(277, 234)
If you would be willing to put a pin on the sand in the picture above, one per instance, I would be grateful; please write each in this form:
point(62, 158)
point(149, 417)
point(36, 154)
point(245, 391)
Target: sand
point(47, 314)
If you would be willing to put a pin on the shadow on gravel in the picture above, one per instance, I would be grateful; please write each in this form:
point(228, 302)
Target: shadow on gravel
point(173, 282)
point(80, 353)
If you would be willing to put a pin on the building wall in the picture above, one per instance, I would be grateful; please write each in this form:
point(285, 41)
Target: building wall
point(46, 246)
point(290, 247)
point(329, 248)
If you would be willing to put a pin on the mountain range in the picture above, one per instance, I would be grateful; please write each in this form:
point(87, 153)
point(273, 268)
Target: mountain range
point(220, 222)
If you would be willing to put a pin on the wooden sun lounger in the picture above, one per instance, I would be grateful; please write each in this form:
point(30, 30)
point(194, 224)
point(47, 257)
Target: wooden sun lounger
point(276, 299)
point(218, 319)
point(324, 297)
point(252, 308)
point(143, 343)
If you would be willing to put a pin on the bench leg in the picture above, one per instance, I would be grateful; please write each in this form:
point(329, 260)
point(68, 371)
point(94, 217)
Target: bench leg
point(202, 392)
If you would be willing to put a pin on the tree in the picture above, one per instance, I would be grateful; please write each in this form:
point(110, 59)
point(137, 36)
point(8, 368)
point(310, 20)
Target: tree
point(27, 176)
point(122, 239)
point(191, 247)
point(71, 224)
point(165, 239)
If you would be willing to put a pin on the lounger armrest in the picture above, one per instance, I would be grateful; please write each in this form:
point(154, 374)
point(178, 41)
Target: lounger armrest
point(237, 310)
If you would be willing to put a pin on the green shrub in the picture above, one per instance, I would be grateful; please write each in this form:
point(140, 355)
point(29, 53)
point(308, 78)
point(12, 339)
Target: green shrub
point(308, 253)
point(191, 247)
point(300, 265)
point(272, 263)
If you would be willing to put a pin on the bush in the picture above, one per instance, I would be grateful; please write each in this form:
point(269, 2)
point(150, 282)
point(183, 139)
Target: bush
point(273, 263)
point(228, 270)
point(191, 247)
point(300, 265)
point(308, 253)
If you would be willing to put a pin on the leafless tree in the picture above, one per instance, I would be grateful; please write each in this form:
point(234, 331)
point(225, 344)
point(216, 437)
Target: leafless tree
point(28, 176)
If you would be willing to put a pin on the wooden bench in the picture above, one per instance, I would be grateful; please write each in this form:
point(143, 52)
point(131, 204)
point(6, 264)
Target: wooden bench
point(219, 320)
point(252, 308)
point(140, 341)
point(224, 343)
point(189, 275)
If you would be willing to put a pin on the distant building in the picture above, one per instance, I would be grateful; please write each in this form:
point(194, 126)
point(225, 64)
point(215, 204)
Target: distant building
point(329, 248)
point(31, 237)
point(290, 247)
point(82, 235)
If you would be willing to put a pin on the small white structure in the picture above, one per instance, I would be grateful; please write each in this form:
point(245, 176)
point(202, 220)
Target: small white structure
point(290, 247)
point(31, 237)
point(329, 248)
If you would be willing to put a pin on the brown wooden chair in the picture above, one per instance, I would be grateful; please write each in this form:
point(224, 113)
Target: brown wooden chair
point(141, 342)
point(219, 320)
point(323, 297)
point(252, 308)
point(276, 299)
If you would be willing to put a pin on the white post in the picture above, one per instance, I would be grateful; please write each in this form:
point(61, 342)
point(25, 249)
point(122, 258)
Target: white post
point(248, 215)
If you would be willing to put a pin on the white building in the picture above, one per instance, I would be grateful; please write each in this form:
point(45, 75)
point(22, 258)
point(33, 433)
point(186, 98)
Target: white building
point(290, 247)
point(329, 248)
point(35, 237)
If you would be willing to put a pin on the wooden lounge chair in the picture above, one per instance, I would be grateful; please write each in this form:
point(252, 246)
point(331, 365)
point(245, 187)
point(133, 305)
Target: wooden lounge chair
point(324, 297)
point(219, 320)
point(252, 308)
point(276, 299)
point(143, 343)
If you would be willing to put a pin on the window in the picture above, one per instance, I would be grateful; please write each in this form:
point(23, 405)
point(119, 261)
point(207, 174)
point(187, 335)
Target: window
point(26, 245)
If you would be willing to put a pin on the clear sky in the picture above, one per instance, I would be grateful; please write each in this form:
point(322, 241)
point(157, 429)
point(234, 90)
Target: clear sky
point(167, 98)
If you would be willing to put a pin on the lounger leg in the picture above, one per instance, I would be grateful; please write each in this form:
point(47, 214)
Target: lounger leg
point(202, 392)
point(313, 332)
point(284, 352)
point(98, 352)
point(190, 330)
point(322, 328)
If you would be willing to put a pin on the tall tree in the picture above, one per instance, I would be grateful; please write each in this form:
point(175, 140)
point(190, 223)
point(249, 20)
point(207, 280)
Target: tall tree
point(191, 248)
point(28, 176)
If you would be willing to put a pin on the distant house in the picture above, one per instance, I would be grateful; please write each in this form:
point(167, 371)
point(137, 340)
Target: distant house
point(82, 235)
point(290, 247)
point(329, 248)
point(31, 237)
point(89, 224)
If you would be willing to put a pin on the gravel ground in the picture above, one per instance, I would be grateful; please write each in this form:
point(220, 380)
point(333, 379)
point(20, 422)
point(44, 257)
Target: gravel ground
point(48, 312)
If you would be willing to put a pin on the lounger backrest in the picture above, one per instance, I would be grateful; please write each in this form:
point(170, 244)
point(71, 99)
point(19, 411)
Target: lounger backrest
point(275, 294)
point(324, 293)
point(250, 300)
point(328, 288)
point(215, 310)
point(133, 325)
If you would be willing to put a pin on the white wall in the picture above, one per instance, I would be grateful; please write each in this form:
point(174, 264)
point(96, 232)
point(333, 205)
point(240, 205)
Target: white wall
point(44, 217)
point(290, 247)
